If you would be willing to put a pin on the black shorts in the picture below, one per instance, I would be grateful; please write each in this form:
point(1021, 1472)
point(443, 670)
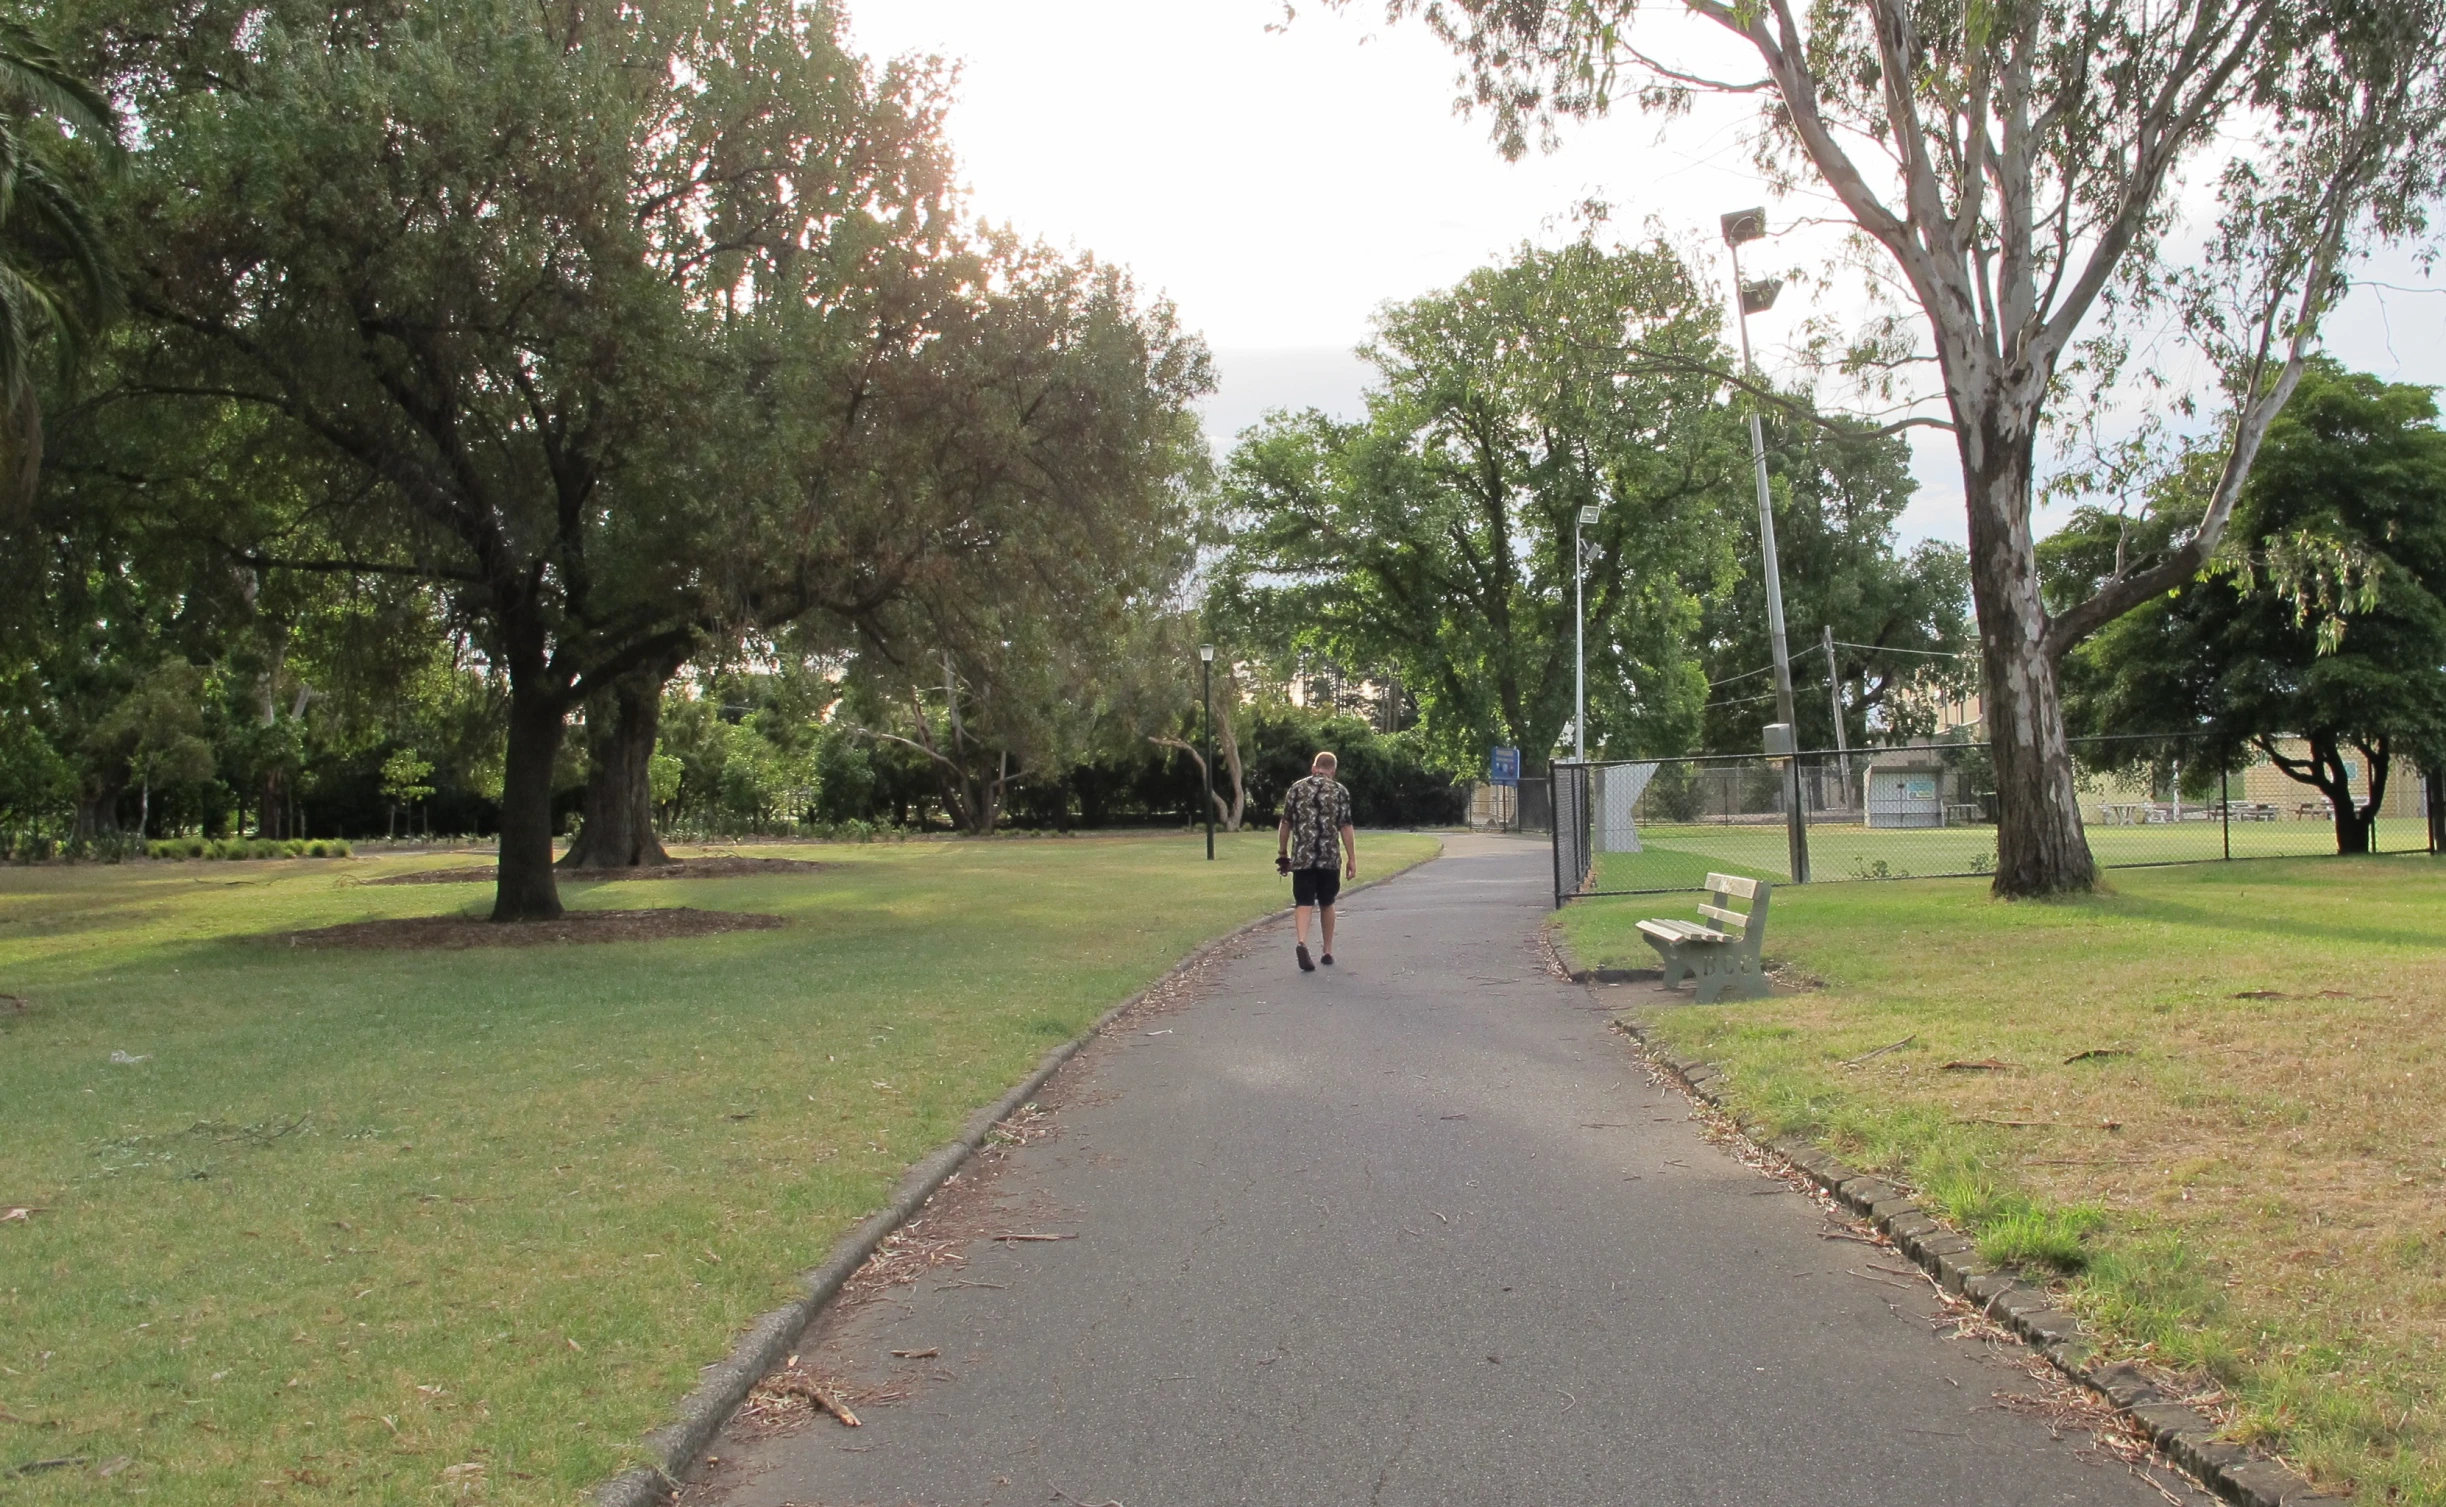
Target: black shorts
point(1315, 886)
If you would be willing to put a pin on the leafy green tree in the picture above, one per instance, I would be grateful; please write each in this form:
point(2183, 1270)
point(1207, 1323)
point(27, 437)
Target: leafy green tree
point(158, 732)
point(1895, 616)
point(470, 260)
point(404, 775)
point(2350, 490)
point(1436, 534)
point(2016, 165)
point(1056, 512)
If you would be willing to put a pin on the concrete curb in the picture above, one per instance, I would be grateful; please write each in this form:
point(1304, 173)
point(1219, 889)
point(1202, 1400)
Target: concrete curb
point(2180, 1432)
point(769, 1341)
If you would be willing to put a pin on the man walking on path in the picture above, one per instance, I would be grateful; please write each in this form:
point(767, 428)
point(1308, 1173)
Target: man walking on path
point(1314, 812)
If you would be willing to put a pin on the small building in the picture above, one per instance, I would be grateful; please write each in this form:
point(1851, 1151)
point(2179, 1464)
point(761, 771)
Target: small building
point(1904, 788)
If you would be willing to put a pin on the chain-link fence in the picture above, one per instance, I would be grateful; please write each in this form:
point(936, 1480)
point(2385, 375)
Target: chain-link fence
point(1643, 826)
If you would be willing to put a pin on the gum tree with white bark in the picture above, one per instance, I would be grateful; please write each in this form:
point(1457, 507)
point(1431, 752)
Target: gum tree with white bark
point(2018, 167)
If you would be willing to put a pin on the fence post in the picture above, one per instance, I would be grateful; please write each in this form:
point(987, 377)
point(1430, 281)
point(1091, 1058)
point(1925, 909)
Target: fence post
point(2225, 807)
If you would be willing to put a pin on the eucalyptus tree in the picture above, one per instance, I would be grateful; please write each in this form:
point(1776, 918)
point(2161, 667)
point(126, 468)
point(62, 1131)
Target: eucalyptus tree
point(2016, 166)
point(472, 259)
point(1436, 534)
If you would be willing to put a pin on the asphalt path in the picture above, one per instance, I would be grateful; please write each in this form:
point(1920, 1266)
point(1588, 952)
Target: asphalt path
point(1416, 1229)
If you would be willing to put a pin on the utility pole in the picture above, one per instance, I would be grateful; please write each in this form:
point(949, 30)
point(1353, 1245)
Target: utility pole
point(1757, 298)
point(1834, 693)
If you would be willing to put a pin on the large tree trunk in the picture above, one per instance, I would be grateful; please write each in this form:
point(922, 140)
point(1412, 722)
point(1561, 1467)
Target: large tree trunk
point(618, 832)
point(273, 810)
point(2433, 781)
point(2039, 846)
point(524, 889)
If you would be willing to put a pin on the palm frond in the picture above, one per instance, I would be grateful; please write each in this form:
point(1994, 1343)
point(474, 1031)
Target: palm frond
point(33, 72)
point(48, 200)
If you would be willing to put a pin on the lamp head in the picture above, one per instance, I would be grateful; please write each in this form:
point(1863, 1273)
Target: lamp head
point(1590, 513)
point(1206, 652)
point(1758, 297)
point(1744, 225)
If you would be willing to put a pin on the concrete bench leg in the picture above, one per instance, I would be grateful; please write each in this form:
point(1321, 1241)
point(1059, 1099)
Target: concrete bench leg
point(1731, 975)
point(1671, 961)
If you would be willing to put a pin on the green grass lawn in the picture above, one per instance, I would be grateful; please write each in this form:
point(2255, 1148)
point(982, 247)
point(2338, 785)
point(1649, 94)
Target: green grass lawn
point(2247, 1182)
point(353, 1219)
point(1681, 856)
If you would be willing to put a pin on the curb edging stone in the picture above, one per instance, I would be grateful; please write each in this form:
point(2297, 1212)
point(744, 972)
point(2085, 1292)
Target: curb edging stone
point(2181, 1433)
point(769, 1340)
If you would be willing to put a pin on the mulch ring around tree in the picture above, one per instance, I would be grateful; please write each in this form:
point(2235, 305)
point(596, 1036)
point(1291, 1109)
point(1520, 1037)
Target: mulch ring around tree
point(451, 933)
point(727, 866)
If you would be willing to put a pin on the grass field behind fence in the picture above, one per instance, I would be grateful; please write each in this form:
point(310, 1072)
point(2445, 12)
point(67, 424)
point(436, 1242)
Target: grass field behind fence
point(2213, 1090)
point(1680, 856)
point(395, 1227)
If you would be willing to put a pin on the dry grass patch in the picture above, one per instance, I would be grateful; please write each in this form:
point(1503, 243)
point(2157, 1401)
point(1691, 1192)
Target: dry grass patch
point(2210, 1101)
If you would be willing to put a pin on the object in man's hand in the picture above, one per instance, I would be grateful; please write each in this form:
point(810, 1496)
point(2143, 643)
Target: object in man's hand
point(1282, 863)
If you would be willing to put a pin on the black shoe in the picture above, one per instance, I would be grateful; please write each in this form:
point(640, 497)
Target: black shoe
point(1305, 965)
point(1326, 959)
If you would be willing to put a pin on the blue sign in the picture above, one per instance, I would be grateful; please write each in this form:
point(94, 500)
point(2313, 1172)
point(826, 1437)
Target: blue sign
point(1504, 768)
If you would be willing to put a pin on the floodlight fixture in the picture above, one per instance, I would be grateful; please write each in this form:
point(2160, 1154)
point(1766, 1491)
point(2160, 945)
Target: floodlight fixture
point(1758, 297)
point(1589, 513)
point(1744, 225)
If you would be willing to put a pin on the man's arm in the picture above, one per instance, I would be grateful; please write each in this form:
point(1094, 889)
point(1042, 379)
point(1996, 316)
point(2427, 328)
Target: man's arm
point(1350, 851)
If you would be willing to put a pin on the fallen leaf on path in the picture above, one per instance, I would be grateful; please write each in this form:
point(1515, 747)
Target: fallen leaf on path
point(1018, 1238)
point(928, 1353)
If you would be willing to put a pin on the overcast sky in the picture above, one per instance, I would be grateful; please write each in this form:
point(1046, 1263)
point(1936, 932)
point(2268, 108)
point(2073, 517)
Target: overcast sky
point(1280, 183)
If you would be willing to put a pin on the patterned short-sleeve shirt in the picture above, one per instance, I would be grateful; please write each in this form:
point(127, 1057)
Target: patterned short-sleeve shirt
point(1318, 808)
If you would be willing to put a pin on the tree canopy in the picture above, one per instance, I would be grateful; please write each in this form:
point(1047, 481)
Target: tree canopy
point(2351, 486)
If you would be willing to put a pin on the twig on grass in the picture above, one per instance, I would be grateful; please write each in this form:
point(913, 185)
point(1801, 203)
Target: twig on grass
point(1892, 1046)
point(2095, 1052)
point(1977, 1065)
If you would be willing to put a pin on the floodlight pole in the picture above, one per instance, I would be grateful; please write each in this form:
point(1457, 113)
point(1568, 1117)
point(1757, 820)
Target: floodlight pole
point(1579, 635)
point(1206, 693)
point(1749, 225)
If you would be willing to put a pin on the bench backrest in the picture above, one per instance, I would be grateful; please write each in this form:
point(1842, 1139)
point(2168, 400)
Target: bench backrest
point(1722, 890)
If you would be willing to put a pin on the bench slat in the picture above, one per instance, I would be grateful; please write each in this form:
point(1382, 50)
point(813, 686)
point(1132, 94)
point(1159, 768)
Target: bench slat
point(1732, 918)
point(1738, 888)
point(1682, 931)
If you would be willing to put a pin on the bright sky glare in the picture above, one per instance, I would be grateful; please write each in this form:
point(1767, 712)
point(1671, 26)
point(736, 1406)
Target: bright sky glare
point(1279, 183)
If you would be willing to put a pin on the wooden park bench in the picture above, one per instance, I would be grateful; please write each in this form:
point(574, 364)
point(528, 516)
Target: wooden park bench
point(1721, 953)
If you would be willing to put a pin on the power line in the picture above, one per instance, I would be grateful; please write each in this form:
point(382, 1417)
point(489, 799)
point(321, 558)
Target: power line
point(1891, 649)
point(1744, 675)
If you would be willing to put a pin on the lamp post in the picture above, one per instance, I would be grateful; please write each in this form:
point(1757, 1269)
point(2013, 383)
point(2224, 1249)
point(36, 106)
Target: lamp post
point(1579, 632)
point(1206, 676)
point(1756, 298)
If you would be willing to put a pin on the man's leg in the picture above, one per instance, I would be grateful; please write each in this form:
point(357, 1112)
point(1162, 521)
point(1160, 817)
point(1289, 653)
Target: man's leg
point(1299, 925)
point(1325, 917)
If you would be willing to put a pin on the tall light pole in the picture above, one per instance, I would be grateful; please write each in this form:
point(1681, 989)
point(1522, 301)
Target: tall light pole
point(1206, 693)
point(1579, 631)
point(1756, 298)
